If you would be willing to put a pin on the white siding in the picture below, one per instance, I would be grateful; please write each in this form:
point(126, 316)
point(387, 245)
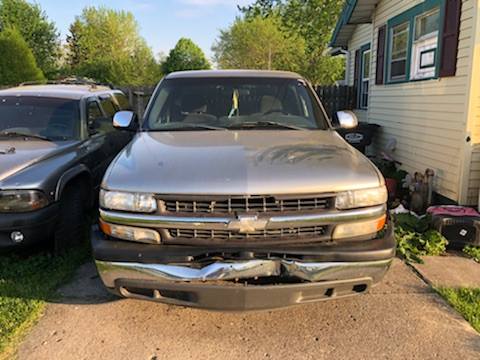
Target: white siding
point(428, 118)
point(473, 185)
point(361, 36)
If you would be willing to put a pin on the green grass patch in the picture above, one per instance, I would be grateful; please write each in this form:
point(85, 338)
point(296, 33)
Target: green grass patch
point(26, 283)
point(466, 302)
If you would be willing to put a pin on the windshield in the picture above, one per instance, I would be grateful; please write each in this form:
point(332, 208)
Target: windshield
point(234, 103)
point(49, 118)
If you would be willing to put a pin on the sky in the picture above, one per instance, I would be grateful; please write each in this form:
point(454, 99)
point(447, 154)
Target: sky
point(161, 22)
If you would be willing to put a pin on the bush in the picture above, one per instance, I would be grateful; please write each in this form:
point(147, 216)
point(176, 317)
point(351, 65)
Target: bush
point(17, 63)
point(415, 239)
point(473, 252)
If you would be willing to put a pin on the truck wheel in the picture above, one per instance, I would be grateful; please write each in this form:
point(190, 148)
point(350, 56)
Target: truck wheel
point(72, 226)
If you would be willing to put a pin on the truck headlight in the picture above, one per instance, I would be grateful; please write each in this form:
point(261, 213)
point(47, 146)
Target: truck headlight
point(361, 198)
point(125, 201)
point(17, 201)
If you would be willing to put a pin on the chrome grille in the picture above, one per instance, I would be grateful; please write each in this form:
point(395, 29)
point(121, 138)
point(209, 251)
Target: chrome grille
point(270, 234)
point(260, 204)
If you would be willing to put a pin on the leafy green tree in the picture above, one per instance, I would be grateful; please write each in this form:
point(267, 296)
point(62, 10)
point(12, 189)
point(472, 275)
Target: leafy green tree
point(263, 8)
point(258, 43)
point(313, 21)
point(186, 55)
point(17, 63)
point(105, 44)
point(39, 33)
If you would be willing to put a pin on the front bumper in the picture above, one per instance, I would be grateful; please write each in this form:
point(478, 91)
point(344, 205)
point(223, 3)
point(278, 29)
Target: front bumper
point(233, 279)
point(36, 226)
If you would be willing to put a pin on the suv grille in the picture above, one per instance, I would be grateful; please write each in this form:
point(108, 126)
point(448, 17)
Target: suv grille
point(259, 204)
point(277, 235)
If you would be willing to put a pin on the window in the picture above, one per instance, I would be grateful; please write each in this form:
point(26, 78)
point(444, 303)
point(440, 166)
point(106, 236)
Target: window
point(424, 49)
point(55, 119)
point(399, 52)
point(413, 41)
point(108, 106)
point(233, 103)
point(122, 101)
point(365, 81)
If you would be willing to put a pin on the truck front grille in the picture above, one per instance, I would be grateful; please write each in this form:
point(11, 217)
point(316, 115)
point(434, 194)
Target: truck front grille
point(259, 204)
point(318, 233)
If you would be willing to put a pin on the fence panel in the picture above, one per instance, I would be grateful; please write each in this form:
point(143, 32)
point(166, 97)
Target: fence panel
point(335, 98)
point(139, 97)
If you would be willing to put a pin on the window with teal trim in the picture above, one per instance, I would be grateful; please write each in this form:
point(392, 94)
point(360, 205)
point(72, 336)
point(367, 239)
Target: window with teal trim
point(414, 42)
point(364, 77)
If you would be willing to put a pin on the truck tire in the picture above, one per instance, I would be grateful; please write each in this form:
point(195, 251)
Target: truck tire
point(73, 221)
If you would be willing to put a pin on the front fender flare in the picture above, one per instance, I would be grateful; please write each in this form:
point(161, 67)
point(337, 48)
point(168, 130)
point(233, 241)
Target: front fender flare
point(69, 175)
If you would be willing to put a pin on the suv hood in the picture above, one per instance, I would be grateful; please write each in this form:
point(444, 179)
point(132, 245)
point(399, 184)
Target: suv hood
point(251, 162)
point(16, 155)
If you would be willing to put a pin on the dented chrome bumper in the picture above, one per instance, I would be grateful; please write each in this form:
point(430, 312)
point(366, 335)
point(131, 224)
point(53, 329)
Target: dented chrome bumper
point(227, 286)
point(110, 272)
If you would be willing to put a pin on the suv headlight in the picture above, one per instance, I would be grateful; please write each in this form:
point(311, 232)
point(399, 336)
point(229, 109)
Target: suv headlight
point(361, 198)
point(125, 201)
point(17, 201)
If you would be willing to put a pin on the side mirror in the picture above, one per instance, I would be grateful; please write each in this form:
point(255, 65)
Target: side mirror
point(347, 119)
point(124, 120)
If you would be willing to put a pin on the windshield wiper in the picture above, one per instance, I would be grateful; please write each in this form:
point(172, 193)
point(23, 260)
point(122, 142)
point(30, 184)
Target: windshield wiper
point(265, 124)
point(18, 134)
point(187, 127)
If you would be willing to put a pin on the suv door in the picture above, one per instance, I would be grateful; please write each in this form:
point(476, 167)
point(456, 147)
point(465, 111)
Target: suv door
point(100, 131)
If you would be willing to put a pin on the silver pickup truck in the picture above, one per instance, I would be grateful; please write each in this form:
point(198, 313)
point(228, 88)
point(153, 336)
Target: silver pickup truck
point(237, 193)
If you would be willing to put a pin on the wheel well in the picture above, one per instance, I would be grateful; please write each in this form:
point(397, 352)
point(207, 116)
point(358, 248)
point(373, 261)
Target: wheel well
point(84, 183)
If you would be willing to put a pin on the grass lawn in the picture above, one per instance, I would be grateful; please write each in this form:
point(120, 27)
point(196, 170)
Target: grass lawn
point(26, 283)
point(466, 302)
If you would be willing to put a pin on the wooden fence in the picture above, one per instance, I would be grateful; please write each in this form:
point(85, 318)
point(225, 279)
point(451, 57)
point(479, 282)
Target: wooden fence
point(139, 97)
point(334, 98)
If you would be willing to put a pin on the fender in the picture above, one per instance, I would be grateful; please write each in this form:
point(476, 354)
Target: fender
point(69, 175)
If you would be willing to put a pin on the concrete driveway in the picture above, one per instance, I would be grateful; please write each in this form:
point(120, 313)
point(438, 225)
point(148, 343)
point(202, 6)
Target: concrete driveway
point(400, 319)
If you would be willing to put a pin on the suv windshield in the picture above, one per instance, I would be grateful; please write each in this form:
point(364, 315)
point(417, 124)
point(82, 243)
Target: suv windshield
point(42, 117)
point(234, 103)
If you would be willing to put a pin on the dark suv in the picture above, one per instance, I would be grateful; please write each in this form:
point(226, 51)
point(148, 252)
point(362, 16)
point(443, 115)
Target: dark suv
point(56, 140)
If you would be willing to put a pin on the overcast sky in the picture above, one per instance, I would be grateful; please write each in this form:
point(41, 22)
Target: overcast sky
point(162, 22)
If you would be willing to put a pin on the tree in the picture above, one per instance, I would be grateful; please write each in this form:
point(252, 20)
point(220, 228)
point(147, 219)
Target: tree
point(186, 55)
point(39, 33)
point(258, 43)
point(313, 21)
point(17, 63)
point(263, 8)
point(105, 44)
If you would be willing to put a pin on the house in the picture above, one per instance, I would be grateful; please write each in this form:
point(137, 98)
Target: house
point(415, 65)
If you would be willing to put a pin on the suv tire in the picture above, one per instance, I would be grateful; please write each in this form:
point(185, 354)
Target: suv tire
point(73, 221)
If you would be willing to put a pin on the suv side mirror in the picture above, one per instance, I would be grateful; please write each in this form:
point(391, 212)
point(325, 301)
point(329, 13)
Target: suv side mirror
point(347, 119)
point(124, 120)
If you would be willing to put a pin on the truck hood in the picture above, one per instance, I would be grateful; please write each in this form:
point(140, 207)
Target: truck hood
point(16, 155)
point(255, 162)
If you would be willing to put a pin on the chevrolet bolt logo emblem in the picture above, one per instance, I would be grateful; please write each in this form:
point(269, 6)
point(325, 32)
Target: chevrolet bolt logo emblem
point(247, 224)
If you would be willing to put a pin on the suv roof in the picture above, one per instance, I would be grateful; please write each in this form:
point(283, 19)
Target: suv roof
point(233, 73)
point(64, 91)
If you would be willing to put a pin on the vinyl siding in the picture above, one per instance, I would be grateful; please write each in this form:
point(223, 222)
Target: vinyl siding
point(361, 36)
point(428, 118)
point(473, 185)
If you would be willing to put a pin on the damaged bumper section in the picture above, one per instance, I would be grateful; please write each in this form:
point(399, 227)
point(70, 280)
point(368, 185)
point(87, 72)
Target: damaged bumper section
point(257, 280)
